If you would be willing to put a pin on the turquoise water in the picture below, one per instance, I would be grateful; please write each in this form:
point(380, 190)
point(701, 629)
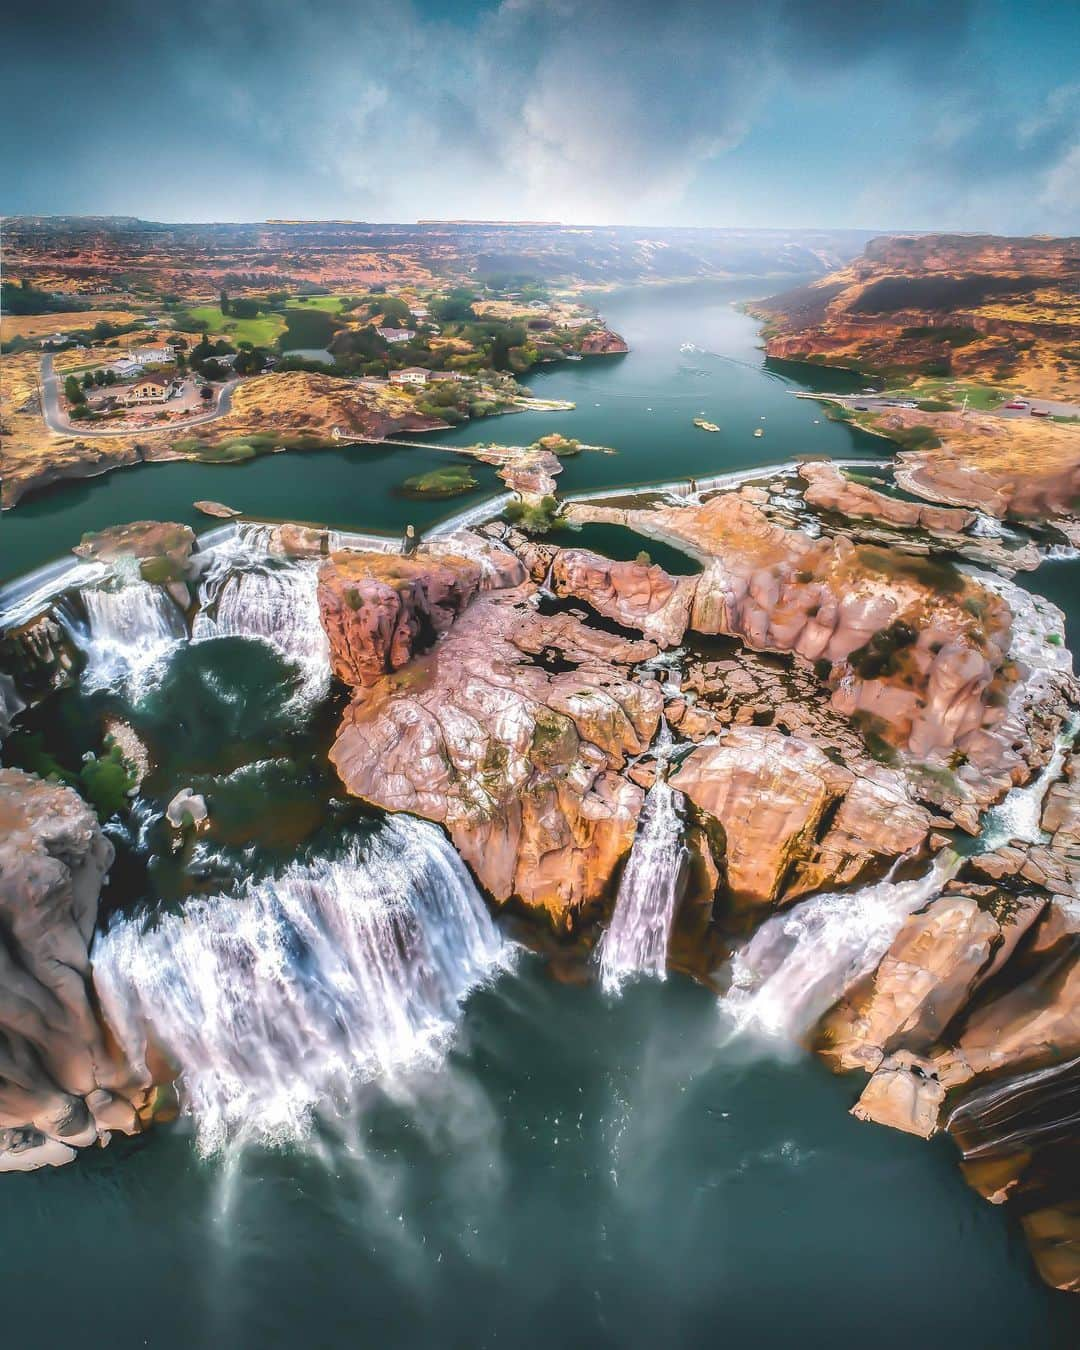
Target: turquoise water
point(356, 487)
point(583, 1170)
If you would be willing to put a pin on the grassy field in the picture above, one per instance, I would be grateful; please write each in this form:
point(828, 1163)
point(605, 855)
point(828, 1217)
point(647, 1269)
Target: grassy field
point(263, 331)
point(329, 304)
point(980, 397)
point(44, 325)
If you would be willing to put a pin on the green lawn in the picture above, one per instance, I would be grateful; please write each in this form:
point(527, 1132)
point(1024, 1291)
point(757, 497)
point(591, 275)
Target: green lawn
point(980, 397)
point(263, 331)
point(329, 304)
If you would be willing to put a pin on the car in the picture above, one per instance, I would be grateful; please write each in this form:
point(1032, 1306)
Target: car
point(1017, 405)
point(1040, 412)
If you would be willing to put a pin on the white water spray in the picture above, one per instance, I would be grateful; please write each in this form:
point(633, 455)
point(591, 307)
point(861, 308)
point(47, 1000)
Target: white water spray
point(273, 1004)
point(272, 603)
point(801, 961)
point(131, 630)
point(636, 941)
point(1019, 815)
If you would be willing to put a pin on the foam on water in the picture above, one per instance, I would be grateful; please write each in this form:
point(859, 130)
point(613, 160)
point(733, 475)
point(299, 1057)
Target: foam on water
point(275, 1002)
point(801, 961)
point(131, 630)
point(275, 603)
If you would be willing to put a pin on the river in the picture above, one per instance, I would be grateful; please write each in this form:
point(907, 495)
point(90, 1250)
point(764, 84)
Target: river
point(518, 1161)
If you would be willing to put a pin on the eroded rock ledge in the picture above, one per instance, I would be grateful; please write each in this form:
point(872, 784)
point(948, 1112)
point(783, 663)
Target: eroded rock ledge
point(63, 1084)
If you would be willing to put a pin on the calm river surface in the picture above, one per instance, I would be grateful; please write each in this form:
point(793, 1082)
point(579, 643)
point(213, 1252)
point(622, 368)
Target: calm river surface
point(573, 1168)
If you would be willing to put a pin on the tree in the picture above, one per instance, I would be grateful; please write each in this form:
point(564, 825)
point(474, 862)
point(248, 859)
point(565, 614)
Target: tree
point(110, 377)
point(88, 380)
point(206, 392)
point(99, 377)
point(224, 300)
point(73, 390)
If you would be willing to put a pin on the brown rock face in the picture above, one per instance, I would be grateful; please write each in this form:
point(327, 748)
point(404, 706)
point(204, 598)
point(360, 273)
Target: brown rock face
point(829, 489)
point(520, 763)
point(923, 981)
point(147, 540)
point(56, 1070)
point(379, 610)
point(603, 343)
point(917, 654)
point(794, 820)
point(637, 595)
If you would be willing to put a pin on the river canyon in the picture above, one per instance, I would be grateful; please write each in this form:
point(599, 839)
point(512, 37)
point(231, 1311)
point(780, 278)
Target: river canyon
point(657, 930)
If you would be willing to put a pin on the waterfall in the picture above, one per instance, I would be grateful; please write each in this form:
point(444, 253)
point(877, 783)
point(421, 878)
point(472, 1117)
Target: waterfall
point(636, 940)
point(277, 1001)
point(131, 630)
point(271, 602)
point(801, 961)
point(1019, 815)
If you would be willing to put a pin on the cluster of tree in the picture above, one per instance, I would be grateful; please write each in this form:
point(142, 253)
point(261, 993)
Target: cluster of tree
point(455, 306)
point(20, 297)
point(243, 307)
point(201, 358)
point(97, 378)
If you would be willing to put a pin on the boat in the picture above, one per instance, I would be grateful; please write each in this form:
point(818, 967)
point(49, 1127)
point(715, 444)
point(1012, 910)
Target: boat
point(758, 431)
point(705, 426)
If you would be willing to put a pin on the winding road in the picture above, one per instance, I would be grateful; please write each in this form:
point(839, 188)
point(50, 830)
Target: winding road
point(57, 420)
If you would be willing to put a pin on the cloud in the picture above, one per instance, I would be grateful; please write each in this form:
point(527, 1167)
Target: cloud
point(584, 110)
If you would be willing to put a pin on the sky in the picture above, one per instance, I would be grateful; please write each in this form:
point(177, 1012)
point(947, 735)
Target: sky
point(890, 114)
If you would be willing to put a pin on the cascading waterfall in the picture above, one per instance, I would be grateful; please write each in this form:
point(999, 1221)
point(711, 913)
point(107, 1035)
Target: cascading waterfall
point(800, 962)
point(131, 630)
point(275, 1002)
point(1018, 816)
point(636, 941)
point(272, 602)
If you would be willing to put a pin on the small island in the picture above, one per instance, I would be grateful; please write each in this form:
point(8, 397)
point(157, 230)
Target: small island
point(451, 480)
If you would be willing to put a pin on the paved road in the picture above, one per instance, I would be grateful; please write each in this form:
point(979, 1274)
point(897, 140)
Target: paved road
point(57, 420)
point(875, 403)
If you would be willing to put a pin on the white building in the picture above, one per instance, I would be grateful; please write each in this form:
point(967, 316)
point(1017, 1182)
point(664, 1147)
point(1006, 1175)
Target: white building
point(410, 375)
point(396, 334)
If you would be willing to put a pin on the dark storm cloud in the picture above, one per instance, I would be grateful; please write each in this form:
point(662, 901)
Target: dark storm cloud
point(580, 109)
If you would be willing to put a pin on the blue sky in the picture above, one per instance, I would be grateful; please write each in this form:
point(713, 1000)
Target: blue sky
point(914, 114)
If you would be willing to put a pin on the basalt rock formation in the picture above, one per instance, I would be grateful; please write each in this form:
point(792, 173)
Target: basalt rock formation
point(971, 1023)
point(828, 488)
point(952, 671)
point(795, 820)
point(636, 595)
point(63, 1085)
point(603, 342)
point(520, 762)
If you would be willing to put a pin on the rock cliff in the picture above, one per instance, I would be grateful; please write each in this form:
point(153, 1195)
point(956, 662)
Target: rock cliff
point(63, 1085)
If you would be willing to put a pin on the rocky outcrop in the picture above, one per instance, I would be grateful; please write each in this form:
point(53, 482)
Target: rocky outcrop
point(945, 668)
point(379, 610)
point(926, 977)
point(520, 764)
point(144, 540)
point(794, 820)
point(602, 342)
point(62, 1085)
point(636, 595)
point(512, 730)
point(828, 488)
